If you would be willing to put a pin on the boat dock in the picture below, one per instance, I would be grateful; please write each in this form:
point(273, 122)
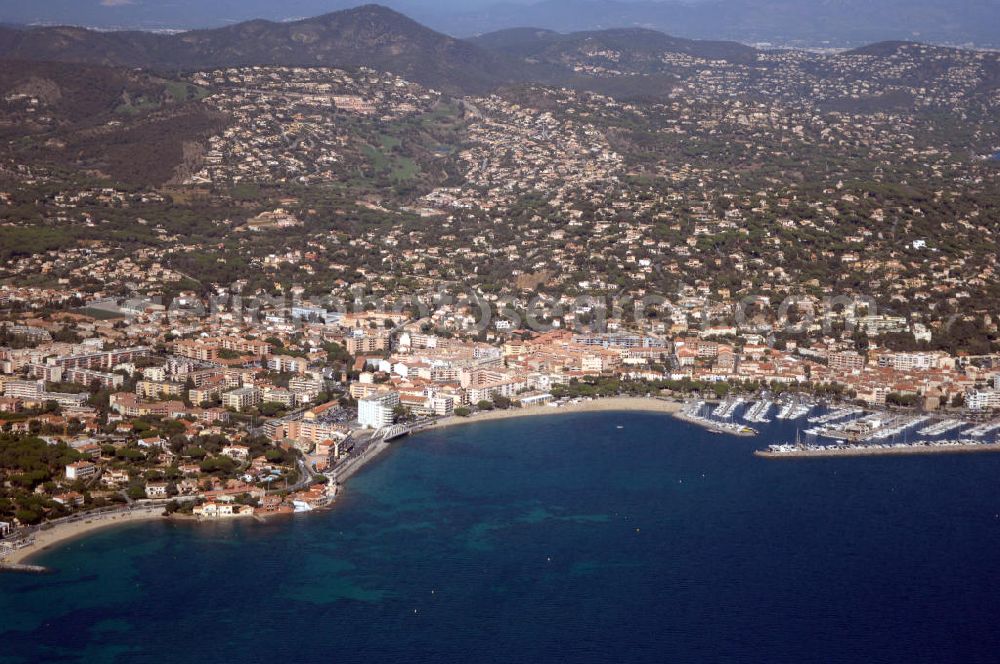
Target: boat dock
point(691, 413)
point(795, 451)
point(726, 409)
point(758, 412)
point(876, 426)
point(793, 410)
point(942, 427)
point(984, 429)
point(835, 415)
point(896, 426)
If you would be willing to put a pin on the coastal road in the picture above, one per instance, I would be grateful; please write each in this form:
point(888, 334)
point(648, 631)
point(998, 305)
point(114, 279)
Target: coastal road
point(306, 478)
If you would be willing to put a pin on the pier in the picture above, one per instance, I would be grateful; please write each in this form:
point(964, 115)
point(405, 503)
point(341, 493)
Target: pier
point(896, 426)
point(758, 412)
point(794, 451)
point(876, 426)
point(835, 415)
point(726, 409)
point(690, 413)
point(793, 410)
point(942, 427)
point(983, 429)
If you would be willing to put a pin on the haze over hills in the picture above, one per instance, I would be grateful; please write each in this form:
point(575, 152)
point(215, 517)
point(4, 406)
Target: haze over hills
point(371, 36)
point(787, 22)
point(385, 40)
point(804, 22)
point(626, 64)
point(637, 44)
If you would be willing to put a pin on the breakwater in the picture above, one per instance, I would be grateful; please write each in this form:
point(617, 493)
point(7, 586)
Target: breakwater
point(791, 451)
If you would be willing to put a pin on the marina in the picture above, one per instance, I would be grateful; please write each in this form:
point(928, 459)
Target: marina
point(856, 432)
point(725, 410)
point(942, 427)
point(852, 430)
point(835, 415)
point(897, 426)
point(793, 410)
point(800, 450)
point(983, 430)
point(875, 426)
point(758, 412)
point(331, 333)
point(691, 412)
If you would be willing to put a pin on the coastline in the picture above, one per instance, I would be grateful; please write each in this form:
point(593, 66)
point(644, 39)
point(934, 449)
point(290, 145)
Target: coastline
point(851, 451)
point(344, 472)
point(63, 532)
point(633, 404)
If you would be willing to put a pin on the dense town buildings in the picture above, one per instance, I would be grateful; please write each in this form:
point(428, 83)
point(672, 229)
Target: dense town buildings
point(351, 250)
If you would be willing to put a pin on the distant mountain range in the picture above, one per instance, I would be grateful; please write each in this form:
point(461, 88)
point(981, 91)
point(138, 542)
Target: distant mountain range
point(372, 36)
point(633, 43)
point(803, 22)
point(383, 39)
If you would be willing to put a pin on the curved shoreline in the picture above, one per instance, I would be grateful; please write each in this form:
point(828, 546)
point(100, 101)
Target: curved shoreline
point(628, 404)
point(64, 532)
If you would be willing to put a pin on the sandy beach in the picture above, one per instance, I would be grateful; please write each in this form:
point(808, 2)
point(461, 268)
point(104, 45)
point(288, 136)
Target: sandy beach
point(635, 404)
point(62, 532)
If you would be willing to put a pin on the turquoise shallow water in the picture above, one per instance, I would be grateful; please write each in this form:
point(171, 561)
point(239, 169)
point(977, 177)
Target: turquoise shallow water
point(557, 539)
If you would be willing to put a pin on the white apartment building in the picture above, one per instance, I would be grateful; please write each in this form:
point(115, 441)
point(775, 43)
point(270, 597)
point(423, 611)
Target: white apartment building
point(441, 405)
point(983, 400)
point(80, 470)
point(242, 398)
point(24, 389)
point(278, 395)
point(375, 411)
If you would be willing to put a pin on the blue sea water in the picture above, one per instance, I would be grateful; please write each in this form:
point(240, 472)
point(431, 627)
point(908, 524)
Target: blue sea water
point(556, 539)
